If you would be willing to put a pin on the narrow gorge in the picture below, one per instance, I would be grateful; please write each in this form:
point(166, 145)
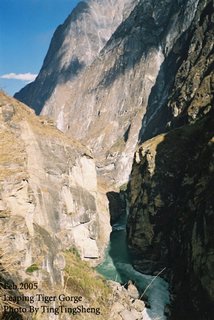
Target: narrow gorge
point(113, 140)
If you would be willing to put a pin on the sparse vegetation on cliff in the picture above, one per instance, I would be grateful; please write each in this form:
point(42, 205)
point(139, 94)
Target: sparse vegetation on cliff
point(83, 280)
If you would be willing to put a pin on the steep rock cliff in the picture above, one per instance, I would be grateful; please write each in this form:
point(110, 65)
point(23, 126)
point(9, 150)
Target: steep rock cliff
point(111, 95)
point(75, 45)
point(171, 194)
point(171, 214)
point(183, 91)
point(48, 192)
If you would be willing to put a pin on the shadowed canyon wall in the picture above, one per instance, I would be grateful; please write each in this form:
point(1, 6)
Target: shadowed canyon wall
point(170, 191)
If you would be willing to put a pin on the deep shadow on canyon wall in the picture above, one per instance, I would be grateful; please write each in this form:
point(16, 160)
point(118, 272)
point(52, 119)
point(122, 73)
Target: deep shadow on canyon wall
point(172, 214)
point(170, 191)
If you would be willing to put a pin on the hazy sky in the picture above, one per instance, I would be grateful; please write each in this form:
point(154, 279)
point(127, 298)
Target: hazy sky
point(26, 28)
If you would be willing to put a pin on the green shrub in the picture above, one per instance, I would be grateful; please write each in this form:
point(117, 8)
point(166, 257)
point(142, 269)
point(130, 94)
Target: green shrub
point(32, 268)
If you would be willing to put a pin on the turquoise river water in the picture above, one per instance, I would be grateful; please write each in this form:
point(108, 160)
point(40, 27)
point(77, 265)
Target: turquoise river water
point(117, 267)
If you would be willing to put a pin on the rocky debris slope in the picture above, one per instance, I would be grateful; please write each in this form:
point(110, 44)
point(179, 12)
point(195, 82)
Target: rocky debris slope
point(171, 194)
point(126, 303)
point(111, 94)
point(75, 45)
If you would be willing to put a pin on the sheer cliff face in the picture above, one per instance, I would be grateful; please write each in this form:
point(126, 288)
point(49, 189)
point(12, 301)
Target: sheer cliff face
point(183, 90)
point(109, 98)
point(75, 44)
point(171, 198)
point(171, 214)
point(48, 194)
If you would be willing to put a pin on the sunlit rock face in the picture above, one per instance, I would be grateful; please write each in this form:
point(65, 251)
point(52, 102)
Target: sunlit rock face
point(171, 198)
point(74, 46)
point(48, 194)
point(104, 106)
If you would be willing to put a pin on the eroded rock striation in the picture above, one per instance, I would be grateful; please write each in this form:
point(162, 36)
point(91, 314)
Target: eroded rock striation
point(74, 46)
point(171, 194)
point(183, 91)
point(48, 191)
point(111, 94)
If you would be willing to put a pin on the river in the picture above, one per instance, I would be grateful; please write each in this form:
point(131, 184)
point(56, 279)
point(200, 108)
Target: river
point(117, 267)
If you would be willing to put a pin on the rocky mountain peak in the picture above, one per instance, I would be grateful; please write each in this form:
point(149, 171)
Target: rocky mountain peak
point(74, 45)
